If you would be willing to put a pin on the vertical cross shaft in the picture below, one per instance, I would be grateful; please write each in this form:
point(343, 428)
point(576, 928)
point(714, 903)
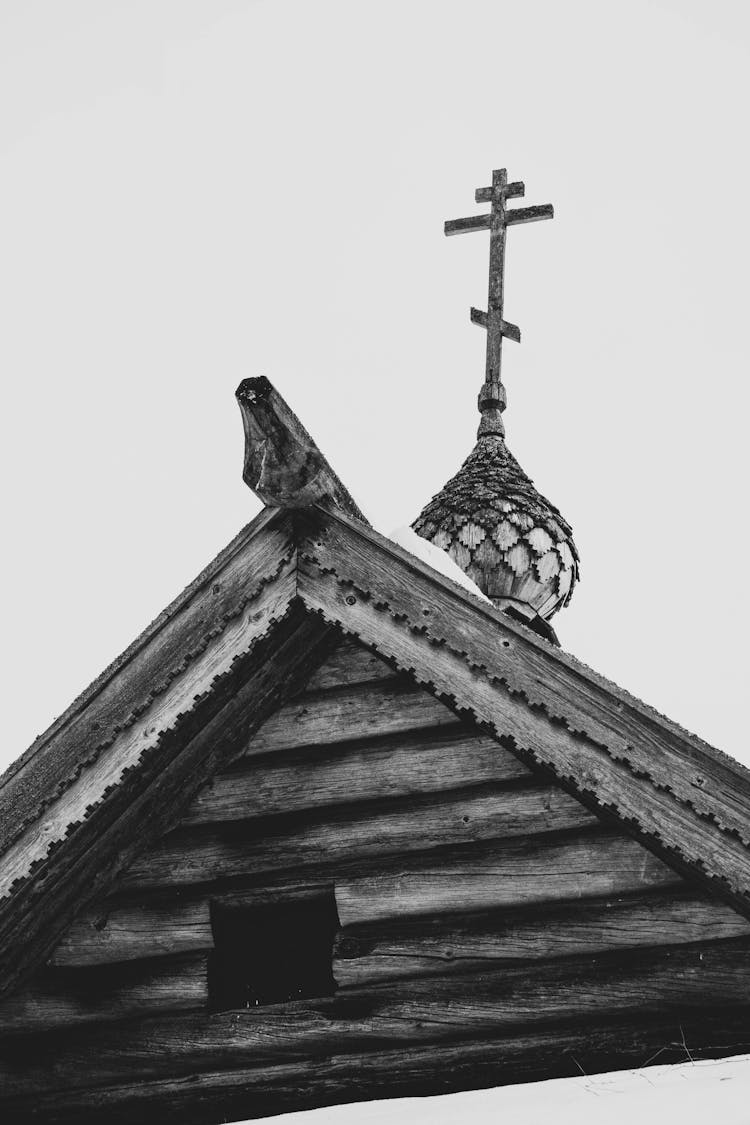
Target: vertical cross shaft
point(496, 279)
point(492, 397)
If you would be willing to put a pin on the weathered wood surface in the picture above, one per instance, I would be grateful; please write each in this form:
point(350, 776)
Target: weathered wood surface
point(66, 997)
point(428, 761)
point(513, 873)
point(283, 465)
point(630, 761)
point(240, 1091)
point(201, 855)
point(665, 984)
point(388, 707)
point(244, 1092)
point(117, 930)
point(564, 687)
point(469, 943)
point(349, 664)
point(143, 670)
point(150, 799)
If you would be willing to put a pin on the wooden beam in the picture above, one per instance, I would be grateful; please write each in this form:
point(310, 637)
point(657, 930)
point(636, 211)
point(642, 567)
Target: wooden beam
point(283, 465)
point(170, 648)
point(510, 191)
point(353, 833)
point(470, 223)
point(150, 799)
point(404, 764)
point(529, 214)
point(527, 1014)
point(508, 874)
point(684, 799)
point(66, 998)
point(389, 706)
point(349, 664)
point(129, 930)
point(469, 943)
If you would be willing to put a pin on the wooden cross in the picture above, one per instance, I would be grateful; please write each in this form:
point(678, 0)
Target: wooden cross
point(496, 223)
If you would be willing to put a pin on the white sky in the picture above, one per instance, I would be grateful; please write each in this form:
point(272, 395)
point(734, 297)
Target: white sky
point(200, 190)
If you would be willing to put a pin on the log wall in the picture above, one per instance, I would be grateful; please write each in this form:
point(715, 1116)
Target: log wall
point(476, 901)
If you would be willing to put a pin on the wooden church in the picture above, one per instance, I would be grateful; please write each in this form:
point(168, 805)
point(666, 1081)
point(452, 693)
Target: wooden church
point(337, 827)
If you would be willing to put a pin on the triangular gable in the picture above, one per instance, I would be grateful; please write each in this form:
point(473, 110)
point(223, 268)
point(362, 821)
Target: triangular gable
point(477, 903)
point(311, 572)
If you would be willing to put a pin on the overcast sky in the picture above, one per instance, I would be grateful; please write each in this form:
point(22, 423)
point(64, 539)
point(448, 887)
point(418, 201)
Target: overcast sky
point(202, 190)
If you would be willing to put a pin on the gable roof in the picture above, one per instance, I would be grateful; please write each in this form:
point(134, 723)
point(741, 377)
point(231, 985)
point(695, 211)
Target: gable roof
point(115, 771)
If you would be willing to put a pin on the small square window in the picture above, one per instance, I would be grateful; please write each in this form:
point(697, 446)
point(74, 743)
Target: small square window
point(269, 953)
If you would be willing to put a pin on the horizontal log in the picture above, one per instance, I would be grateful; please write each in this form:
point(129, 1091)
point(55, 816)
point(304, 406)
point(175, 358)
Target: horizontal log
point(514, 873)
point(126, 931)
point(244, 1092)
point(682, 795)
point(66, 997)
point(384, 708)
point(349, 664)
point(652, 987)
point(201, 855)
point(431, 761)
point(367, 954)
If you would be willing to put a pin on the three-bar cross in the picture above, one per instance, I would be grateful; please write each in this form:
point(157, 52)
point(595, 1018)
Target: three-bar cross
point(492, 395)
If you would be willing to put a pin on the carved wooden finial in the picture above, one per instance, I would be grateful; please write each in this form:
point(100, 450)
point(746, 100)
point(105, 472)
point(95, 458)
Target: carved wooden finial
point(492, 398)
point(283, 465)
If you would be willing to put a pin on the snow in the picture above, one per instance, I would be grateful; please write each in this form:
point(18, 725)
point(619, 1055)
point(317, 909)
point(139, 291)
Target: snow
point(690, 1093)
point(435, 557)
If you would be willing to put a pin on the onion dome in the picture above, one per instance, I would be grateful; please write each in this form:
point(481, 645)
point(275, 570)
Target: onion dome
point(512, 543)
point(503, 534)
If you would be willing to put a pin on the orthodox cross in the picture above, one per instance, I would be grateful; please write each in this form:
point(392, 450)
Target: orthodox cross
point(492, 396)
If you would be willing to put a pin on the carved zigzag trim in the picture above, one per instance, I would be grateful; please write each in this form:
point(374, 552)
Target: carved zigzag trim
point(579, 761)
point(176, 696)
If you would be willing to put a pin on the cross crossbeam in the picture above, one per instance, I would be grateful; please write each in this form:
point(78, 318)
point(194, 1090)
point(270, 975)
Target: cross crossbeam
point(499, 218)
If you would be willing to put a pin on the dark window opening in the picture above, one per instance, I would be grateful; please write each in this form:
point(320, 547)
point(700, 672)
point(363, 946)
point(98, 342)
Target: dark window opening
point(269, 953)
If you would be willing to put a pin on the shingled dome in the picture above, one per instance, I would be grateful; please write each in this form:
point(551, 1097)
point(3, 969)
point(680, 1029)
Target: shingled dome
point(503, 533)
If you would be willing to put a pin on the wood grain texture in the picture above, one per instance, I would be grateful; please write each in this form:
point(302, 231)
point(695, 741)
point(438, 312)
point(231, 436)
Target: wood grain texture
point(349, 664)
point(116, 930)
point(342, 715)
point(352, 833)
point(429, 761)
point(243, 1092)
point(616, 775)
point(283, 465)
point(673, 775)
point(468, 943)
point(67, 997)
point(529, 1005)
point(150, 799)
point(130, 746)
point(509, 874)
point(142, 671)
